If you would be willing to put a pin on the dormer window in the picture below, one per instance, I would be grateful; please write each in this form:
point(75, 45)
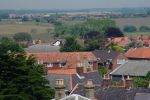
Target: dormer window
point(49, 65)
point(98, 59)
point(109, 61)
point(121, 61)
point(61, 65)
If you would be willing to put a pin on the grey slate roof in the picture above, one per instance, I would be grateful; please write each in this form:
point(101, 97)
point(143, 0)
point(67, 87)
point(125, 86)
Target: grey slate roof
point(133, 68)
point(104, 55)
point(97, 79)
point(42, 48)
point(52, 79)
point(142, 96)
point(115, 94)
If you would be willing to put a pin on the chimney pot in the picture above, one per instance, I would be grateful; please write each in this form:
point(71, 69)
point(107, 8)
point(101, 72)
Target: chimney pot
point(60, 89)
point(89, 88)
point(129, 82)
point(106, 81)
point(80, 69)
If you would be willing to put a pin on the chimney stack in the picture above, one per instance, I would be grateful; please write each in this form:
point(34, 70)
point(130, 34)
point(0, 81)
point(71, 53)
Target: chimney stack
point(149, 84)
point(106, 81)
point(89, 88)
point(33, 42)
point(80, 69)
point(40, 42)
point(129, 82)
point(60, 89)
point(123, 81)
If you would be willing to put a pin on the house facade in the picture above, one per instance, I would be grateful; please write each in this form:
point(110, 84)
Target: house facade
point(67, 60)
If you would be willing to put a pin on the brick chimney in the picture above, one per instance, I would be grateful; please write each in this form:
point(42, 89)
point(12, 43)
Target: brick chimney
point(106, 81)
point(149, 84)
point(80, 69)
point(60, 89)
point(39, 41)
point(89, 89)
point(123, 81)
point(33, 42)
point(129, 83)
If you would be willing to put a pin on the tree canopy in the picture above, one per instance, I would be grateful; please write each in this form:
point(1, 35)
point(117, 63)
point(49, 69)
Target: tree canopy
point(8, 45)
point(144, 29)
point(114, 32)
point(91, 45)
point(129, 28)
point(71, 45)
point(79, 29)
point(22, 36)
point(21, 78)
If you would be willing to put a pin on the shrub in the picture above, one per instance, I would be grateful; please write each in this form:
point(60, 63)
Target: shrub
point(129, 28)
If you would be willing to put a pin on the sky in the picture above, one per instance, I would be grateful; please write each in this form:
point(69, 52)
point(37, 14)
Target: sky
point(71, 4)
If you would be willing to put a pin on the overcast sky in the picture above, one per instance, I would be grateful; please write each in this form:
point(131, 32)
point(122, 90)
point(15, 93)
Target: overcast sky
point(71, 4)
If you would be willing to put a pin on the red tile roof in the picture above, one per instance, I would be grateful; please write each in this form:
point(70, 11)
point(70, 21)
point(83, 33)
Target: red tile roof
point(67, 56)
point(72, 58)
point(146, 42)
point(63, 71)
point(121, 41)
point(138, 53)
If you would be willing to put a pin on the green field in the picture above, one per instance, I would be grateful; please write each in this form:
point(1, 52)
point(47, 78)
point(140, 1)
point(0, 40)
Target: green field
point(137, 22)
point(137, 33)
point(9, 29)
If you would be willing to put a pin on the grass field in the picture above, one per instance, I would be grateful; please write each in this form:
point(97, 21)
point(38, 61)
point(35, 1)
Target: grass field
point(9, 29)
point(121, 22)
point(137, 33)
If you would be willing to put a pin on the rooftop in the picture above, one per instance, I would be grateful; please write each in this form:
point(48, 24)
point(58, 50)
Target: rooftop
point(38, 48)
point(65, 56)
point(64, 71)
point(133, 68)
point(104, 55)
point(73, 79)
point(138, 53)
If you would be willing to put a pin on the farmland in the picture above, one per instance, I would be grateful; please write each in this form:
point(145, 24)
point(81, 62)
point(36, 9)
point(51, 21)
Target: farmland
point(40, 30)
point(121, 22)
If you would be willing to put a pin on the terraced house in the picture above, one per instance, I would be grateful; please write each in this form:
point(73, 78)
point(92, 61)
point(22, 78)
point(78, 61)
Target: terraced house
point(67, 60)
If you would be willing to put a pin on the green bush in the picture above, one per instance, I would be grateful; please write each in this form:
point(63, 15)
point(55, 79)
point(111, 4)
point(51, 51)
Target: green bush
point(129, 28)
point(22, 36)
point(140, 82)
point(102, 70)
point(144, 29)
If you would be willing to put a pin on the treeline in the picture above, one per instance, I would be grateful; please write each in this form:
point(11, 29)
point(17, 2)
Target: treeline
point(81, 28)
point(131, 28)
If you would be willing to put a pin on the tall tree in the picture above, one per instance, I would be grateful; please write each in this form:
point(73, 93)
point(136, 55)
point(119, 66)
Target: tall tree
point(114, 32)
point(22, 36)
point(21, 78)
point(8, 45)
point(71, 45)
point(91, 45)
